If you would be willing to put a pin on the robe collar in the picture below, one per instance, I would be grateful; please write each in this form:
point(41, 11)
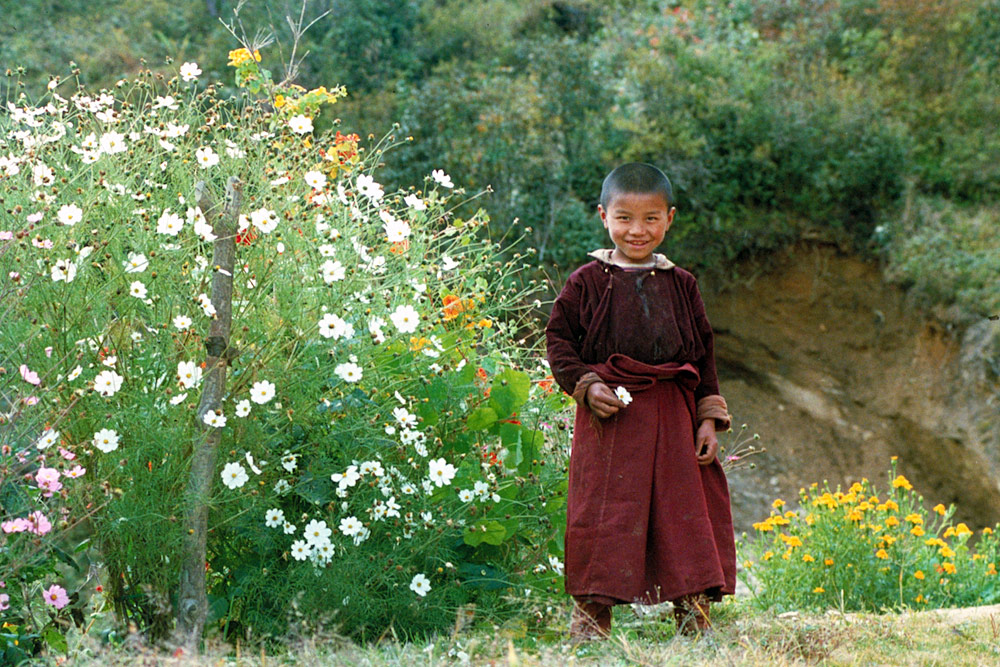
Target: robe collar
point(604, 255)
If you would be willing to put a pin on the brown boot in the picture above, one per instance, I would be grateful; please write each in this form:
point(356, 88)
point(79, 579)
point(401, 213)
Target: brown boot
point(692, 614)
point(590, 620)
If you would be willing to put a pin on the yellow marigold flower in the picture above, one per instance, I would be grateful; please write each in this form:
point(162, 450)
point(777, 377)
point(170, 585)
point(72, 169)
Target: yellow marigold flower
point(849, 497)
point(791, 540)
point(978, 556)
point(919, 574)
point(778, 503)
point(962, 529)
point(873, 500)
point(279, 101)
point(948, 567)
point(987, 531)
point(789, 514)
point(763, 526)
point(864, 506)
point(239, 56)
point(875, 528)
point(856, 488)
point(991, 569)
point(891, 521)
point(920, 598)
point(806, 558)
point(939, 508)
point(780, 520)
point(949, 532)
point(893, 458)
point(892, 505)
point(881, 553)
point(827, 561)
point(787, 555)
point(855, 515)
point(917, 531)
point(935, 542)
point(902, 483)
point(819, 589)
point(947, 552)
point(747, 564)
point(810, 519)
point(768, 555)
point(914, 518)
point(888, 539)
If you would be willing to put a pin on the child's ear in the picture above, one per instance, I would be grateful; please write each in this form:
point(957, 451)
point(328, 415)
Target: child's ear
point(603, 214)
point(670, 216)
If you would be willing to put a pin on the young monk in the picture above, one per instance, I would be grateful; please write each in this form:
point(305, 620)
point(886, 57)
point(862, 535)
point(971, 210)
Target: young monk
point(648, 516)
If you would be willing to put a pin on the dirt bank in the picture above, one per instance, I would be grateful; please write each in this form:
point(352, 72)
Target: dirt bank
point(837, 371)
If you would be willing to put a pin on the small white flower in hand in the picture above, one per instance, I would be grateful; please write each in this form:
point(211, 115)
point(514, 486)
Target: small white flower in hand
point(623, 395)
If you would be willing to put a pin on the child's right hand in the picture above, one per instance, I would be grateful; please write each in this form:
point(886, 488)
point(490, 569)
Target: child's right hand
point(602, 400)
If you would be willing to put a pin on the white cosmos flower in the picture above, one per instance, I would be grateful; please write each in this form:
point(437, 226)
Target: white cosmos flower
point(49, 438)
point(167, 102)
point(107, 383)
point(441, 472)
point(405, 418)
point(234, 475)
point(112, 142)
point(137, 289)
point(466, 496)
point(289, 461)
point(332, 326)
point(106, 440)
point(69, 214)
point(75, 373)
point(375, 325)
point(182, 322)
point(316, 179)
point(300, 550)
point(300, 124)
point(216, 419)
point(333, 271)
point(395, 230)
point(243, 408)
point(274, 518)
point(420, 584)
point(136, 263)
point(190, 71)
point(348, 372)
point(405, 319)
point(317, 532)
point(64, 270)
point(623, 395)
point(206, 157)
point(447, 263)
point(262, 392)
point(369, 188)
point(288, 527)
point(189, 373)
point(179, 398)
point(351, 526)
point(169, 223)
point(415, 202)
point(442, 179)
point(264, 219)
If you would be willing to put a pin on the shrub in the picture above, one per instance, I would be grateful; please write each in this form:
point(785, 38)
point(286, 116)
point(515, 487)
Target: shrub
point(863, 551)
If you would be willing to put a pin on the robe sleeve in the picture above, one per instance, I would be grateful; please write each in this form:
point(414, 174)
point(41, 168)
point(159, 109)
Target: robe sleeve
point(564, 337)
point(709, 403)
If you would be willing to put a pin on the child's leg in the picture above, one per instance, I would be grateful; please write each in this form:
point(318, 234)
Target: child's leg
point(590, 620)
point(692, 614)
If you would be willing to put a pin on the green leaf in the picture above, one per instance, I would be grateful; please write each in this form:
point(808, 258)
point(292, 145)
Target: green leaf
point(481, 418)
point(316, 491)
point(510, 391)
point(481, 575)
point(488, 532)
point(55, 639)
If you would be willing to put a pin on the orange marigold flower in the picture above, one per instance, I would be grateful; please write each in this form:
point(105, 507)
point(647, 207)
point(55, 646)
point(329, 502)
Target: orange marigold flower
point(827, 561)
point(947, 552)
point(768, 555)
point(987, 531)
point(891, 521)
point(939, 508)
point(919, 574)
point(892, 505)
point(819, 589)
point(901, 483)
point(453, 306)
point(881, 553)
point(806, 558)
point(791, 540)
point(962, 529)
point(914, 518)
point(948, 567)
point(917, 531)
point(778, 503)
point(991, 569)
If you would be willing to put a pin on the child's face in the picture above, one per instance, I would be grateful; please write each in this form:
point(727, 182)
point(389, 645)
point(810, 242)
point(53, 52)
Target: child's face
point(637, 223)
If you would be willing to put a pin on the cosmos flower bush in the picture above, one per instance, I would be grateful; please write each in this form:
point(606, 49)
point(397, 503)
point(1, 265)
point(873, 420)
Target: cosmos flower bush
point(865, 550)
point(384, 458)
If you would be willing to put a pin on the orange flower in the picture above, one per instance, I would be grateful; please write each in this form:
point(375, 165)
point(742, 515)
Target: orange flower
point(919, 575)
point(399, 247)
point(546, 384)
point(453, 306)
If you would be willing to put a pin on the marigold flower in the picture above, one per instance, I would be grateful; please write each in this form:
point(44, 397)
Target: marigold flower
point(453, 306)
point(806, 558)
point(768, 555)
point(949, 567)
point(827, 561)
point(939, 508)
point(778, 504)
point(935, 542)
point(915, 518)
point(891, 521)
point(987, 531)
point(920, 598)
point(819, 589)
point(239, 56)
point(791, 540)
point(881, 553)
point(763, 526)
point(892, 505)
point(961, 529)
point(901, 483)
point(917, 531)
point(919, 574)
point(991, 569)
point(947, 552)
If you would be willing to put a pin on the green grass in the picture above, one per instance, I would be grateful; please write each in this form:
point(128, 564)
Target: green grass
point(742, 636)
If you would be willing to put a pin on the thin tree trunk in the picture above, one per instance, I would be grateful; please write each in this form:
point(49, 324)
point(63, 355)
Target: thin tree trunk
point(192, 603)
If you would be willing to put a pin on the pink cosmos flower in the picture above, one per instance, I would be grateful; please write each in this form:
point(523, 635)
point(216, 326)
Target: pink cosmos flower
point(48, 480)
point(4, 602)
point(6, 235)
point(14, 526)
point(77, 471)
point(56, 596)
point(29, 376)
point(48, 351)
point(38, 524)
point(31, 400)
point(66, 454)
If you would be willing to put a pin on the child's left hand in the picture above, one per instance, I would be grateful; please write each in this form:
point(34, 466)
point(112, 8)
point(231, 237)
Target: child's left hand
point(706, 443)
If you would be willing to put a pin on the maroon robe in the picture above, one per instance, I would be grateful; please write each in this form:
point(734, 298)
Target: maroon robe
point(645, 522)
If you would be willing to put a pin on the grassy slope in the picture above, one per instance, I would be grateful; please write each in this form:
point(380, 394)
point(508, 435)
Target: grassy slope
point(743, 636)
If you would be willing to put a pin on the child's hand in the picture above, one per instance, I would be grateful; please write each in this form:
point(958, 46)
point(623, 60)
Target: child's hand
point(602, 400)
point(706, 443)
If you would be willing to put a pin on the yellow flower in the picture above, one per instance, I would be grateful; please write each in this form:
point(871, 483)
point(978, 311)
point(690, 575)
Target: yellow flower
point(891, 521)
point(778, 503)
point(791, 541)
point(806, 558)
point(881, 553)
point(962, 529)
point(991, 569)
point(855, 515)
point(987, 531)
point(888, 539)
point(935, 542)
point(787, 555)
point(978, 556)
point(919, 574)
point(949, 532)
point(768, 555)
point(856, 488)
point(747, 564)
point(763, 526)
point(827, 561)
point(939, 508)
point(875, 527)
point(810, 519)
point(917, 531)
point(947, 552)
point(819, 589)
point(779, 520)
point(920, 598)
point(902, 483)
point(239, 56)
point(948, 567)
point(790, 514)
point(892, 505)
point(914, 518)
point(279, 101)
